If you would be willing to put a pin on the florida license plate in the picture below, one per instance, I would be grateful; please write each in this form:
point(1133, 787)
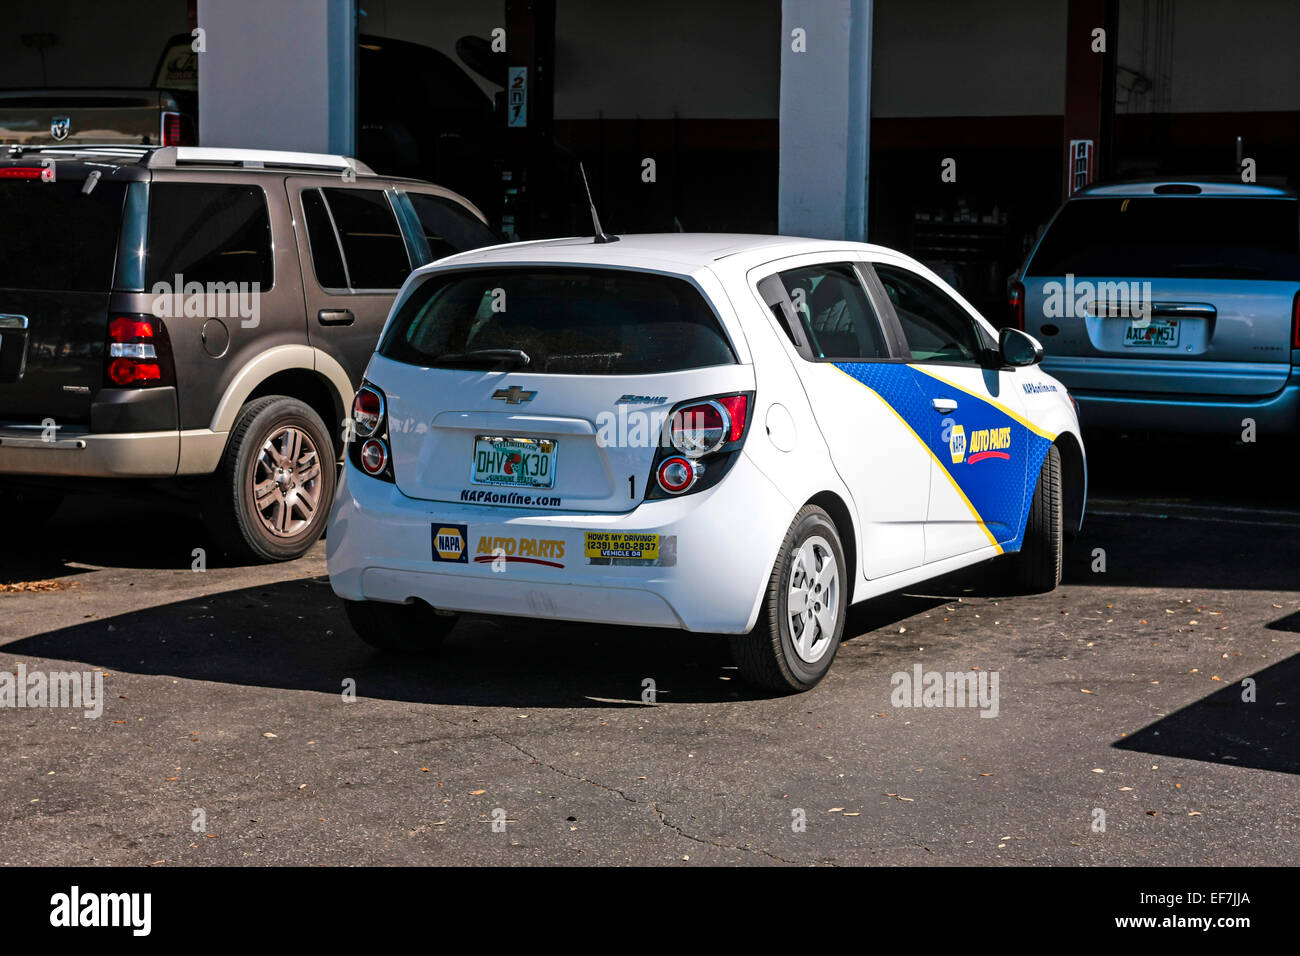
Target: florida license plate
point(1157, 333)
point(514, 462)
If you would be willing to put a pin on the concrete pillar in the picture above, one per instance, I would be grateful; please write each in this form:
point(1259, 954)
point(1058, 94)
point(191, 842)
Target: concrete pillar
point(278, 75)
point(825, 118)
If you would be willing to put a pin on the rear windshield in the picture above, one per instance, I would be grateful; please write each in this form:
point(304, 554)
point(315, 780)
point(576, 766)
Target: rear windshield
point(1173, 237)
point(566, 321)
point(55, 237)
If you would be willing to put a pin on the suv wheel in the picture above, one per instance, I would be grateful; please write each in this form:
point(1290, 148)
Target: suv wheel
point(802, 618)
point(404, 628)
point(275, 484)
point(1037, 567)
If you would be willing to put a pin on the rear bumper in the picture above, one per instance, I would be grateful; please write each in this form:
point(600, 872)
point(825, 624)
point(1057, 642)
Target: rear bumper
point(1273, 414)
point(722, 543)
point(161, 454)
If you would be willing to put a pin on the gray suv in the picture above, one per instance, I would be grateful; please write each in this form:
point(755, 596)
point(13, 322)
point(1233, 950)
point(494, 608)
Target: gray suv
point(200, 317)
point(1171, 305)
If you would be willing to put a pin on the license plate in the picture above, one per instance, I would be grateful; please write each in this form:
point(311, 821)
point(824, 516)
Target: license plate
point(1158, 333)
point(514, 462)
point(615, 544)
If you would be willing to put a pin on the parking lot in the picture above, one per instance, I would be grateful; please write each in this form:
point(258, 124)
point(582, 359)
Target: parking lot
point(1120, 692)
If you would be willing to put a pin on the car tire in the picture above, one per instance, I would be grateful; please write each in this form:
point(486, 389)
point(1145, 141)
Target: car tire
point(400, 628)
point(1036, 569)
point(791, 649)
point(278, 461)
point(28, 508)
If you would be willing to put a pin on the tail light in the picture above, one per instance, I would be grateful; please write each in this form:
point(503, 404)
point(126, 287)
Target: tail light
point(23, 172)
point(700, 441)
point(139, 353)
point(1295, 322)
point(1016, 301)
point(368, 441)
point(176, 130)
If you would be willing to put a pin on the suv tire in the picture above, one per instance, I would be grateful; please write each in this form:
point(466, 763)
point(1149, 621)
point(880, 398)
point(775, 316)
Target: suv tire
point(791, 650)
point(275, 484)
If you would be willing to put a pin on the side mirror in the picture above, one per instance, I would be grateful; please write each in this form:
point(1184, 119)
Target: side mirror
point(1019, 348)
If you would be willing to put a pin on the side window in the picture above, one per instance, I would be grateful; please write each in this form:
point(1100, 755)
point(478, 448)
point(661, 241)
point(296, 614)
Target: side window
point(326, 259)
point(374, 252)
point(936, 328)
point(447, 227)
point(209, 233)
point(834, 312)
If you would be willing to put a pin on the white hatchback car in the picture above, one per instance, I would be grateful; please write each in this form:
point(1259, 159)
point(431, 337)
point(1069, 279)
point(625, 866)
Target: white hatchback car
point(721, 433)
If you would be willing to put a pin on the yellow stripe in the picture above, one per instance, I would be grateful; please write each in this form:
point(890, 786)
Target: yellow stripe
point(933, 457)
point(984, 398)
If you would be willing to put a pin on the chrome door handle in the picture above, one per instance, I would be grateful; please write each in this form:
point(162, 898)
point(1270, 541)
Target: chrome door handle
point(335, 317)
point(944, 405)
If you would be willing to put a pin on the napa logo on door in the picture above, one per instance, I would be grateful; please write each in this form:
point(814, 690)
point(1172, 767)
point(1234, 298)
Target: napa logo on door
point(957, 444)
point(449, 543)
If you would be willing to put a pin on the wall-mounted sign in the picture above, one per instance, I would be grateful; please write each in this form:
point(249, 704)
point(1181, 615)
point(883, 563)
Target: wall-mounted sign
point(517, 87)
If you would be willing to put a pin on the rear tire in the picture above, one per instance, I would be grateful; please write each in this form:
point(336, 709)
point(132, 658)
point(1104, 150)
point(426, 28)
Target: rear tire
point(1037, 568)
point(799, 628)
point(400, 628)
point(275, 484)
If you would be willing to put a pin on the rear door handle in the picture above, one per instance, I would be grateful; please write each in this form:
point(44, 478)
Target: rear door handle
point(944, 405)
point(335, 317)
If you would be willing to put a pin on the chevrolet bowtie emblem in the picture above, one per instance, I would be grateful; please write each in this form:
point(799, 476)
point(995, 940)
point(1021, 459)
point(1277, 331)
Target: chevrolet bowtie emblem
point(514, 395)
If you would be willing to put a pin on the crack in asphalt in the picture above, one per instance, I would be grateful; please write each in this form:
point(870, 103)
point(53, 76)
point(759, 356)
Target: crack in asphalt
point(663, 818)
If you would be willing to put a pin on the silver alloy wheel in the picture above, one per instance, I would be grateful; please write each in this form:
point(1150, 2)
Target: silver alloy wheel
point(286, 481)
point(813, 598)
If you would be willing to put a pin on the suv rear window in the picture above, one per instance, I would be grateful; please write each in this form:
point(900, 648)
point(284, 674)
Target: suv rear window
point(1165, 237)
point(567, 320)
point(54, 237)
point(209, 233)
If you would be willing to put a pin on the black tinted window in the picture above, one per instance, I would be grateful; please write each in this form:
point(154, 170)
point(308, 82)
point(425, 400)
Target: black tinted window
point(1209, 237)
point(373, 248)
point(936, 328)
point(55, 237)
point(834, 312)
point(325, 257)
point(447, 227)
point(209, 233)
point(574, 321)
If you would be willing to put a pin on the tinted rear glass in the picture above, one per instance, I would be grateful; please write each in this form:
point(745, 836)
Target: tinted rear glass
point(1173, 237)
point(55, 237)
point(209, 233)
point(568, 321)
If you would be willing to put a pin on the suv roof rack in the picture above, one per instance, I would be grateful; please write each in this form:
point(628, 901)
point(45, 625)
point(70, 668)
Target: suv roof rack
point(156, 157)
point(172, 156)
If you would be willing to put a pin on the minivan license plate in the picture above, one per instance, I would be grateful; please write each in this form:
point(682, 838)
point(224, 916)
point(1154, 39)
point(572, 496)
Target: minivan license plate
point(1157, 333)
point(514, 462)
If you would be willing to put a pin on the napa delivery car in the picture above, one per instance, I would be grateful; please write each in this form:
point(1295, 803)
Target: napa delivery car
point(720, 433)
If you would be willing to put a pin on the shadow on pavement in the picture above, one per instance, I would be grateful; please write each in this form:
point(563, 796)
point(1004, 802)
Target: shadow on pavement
point(1223, 728)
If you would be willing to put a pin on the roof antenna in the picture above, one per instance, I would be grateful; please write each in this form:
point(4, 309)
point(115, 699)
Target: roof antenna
point(595, 220)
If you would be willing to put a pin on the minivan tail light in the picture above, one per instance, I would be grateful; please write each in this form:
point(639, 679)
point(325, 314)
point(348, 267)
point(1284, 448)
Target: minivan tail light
point(174, 129)
point(1017, 302)
point(1295, 322)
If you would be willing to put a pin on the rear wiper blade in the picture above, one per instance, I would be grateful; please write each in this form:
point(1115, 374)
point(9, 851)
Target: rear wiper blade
point(503, 358)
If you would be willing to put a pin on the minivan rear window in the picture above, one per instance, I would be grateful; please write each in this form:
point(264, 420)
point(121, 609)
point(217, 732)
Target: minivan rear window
point(56, 237)
point(1165, 237)
point(574, 321)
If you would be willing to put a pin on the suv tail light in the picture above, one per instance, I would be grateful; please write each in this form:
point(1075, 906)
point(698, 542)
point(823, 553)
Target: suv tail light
point(139, 353)
point(1017, 302)
point(367, 436)
point(700, 440)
